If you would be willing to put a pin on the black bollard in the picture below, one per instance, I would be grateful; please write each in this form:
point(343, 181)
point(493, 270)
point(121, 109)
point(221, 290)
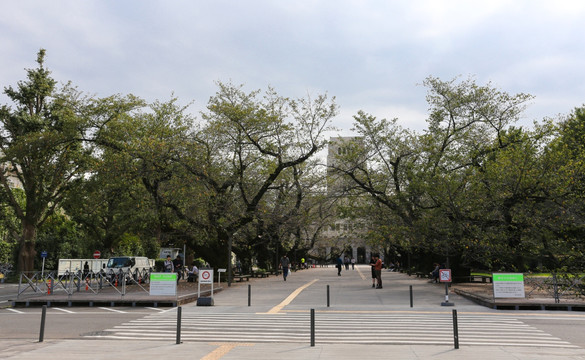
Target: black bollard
point(411, 300)
point(178, 325)
point(43, 316)
point(249, 295)
point(327, 295)
point(313, 326)
point(455, 330)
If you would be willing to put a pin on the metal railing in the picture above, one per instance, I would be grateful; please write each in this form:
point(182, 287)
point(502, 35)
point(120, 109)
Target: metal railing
point(49, 283)
point(557, 286)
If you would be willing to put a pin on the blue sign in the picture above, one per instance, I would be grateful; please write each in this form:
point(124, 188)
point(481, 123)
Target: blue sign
point(44, 254)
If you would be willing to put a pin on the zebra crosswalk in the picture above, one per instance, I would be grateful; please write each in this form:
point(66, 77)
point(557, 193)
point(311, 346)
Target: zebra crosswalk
point(336, 328)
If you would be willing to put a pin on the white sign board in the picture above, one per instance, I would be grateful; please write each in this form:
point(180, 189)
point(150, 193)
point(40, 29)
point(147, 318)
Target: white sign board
point(445, 275)
point(508, 285)
point(206, 276)
point(163, 284)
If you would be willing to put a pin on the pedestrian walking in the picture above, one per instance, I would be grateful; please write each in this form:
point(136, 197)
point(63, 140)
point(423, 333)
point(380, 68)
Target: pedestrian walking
point(378, 268)
point(85, 269)
point(284, 264)
point(339, 265)
point(372, 263)
point(353, 263)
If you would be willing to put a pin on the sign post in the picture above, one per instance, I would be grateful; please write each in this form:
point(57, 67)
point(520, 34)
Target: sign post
point(445, 277)
point(44, 255)
point(219, 271)
point(205, 277)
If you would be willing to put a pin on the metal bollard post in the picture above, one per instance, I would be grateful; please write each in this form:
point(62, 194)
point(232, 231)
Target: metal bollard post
point(43, 316)
point(249, 294)
point(313, 327)
point(411, 300)
point(178, 325)
point(327, 295)
point(455, 330)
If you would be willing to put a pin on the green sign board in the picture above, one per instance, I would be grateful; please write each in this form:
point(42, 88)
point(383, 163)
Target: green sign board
point(508, 285)
point(163, 277)
point(508, 277)
point(163, 284)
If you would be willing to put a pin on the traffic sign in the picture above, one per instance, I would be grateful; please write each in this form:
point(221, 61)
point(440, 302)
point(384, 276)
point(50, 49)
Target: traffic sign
point(44, 254)
point(445, 275)
point(97, 254)
point(206, 276)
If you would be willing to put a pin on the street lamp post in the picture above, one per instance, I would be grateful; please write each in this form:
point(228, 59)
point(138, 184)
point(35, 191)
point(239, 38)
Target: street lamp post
point(229, 267)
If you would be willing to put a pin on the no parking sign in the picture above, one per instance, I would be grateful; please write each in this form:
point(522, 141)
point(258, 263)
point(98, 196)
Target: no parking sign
point(445, 275)
point(206, 276)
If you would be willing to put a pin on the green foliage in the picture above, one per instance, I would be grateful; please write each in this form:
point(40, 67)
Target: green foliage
point(61, 238)
point(472, 188)
point(129, 245)
point(199, 262)
point(41, 146)
point(7, 252)
point(125, 177)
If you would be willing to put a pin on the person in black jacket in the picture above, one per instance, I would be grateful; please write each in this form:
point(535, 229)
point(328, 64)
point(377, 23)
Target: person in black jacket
point(178, 265)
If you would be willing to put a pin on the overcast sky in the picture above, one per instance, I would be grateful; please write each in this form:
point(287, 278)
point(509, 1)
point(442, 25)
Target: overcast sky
point(370, 55)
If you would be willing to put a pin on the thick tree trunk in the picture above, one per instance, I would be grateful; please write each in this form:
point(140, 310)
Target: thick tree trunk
point(27, 252)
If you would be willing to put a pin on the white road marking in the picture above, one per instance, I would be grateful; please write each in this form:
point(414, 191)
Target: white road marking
point(114, 310)
point(65, 311)
point(16, 311)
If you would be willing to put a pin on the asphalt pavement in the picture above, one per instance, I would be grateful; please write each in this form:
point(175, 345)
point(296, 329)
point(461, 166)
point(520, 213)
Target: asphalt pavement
point(319, 289)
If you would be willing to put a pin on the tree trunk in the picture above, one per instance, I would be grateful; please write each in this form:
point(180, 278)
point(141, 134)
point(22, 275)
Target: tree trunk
point(26, 254)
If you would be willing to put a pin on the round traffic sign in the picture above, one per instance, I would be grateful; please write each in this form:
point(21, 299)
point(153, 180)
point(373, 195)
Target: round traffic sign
point(97, 254)
point(205, 276)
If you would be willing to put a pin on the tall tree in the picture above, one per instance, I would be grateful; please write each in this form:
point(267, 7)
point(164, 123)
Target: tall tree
point(240, 151)
point(422, 179)
point(40, 141)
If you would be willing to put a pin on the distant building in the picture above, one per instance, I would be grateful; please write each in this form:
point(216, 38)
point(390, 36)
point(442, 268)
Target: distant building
point(343, 236)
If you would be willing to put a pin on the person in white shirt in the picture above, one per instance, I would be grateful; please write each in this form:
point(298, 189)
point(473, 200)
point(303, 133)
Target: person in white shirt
point(193, 273)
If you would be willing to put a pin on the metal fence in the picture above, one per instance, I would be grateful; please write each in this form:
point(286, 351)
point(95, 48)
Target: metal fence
point(557, 286)
point(49, 283)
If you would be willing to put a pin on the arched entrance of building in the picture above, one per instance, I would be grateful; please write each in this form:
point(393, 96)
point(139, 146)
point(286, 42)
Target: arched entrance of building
point(361, 255)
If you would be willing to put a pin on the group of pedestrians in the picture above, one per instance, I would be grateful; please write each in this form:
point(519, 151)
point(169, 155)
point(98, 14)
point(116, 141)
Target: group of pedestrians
point(375, 262)
point(345, 262)
point(176, 266)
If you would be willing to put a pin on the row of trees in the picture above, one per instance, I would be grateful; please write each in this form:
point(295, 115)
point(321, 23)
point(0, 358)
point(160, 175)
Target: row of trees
point(473, 189)
point(120, 175)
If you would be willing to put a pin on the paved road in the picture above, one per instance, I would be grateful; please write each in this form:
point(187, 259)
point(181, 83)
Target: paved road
point(359, 321)
point(7, 292)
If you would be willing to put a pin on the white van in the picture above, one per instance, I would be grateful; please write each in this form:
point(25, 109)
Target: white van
point(136, 266)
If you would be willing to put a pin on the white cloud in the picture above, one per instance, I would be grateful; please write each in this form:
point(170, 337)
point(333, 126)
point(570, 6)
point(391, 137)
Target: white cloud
point(370, 55)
